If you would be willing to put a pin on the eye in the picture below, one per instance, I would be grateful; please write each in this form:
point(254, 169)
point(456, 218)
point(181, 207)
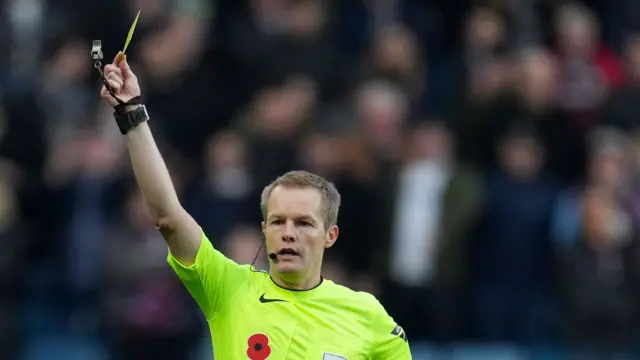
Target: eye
point(277, 222)
point(305, 223)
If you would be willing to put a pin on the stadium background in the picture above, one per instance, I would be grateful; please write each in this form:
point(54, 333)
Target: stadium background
point(486, 151)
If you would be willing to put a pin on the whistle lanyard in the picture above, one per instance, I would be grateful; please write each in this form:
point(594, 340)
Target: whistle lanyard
point(97, 56)
point(97, 64)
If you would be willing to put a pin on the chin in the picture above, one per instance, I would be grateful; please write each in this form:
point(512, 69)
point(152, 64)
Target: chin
point(288, 268)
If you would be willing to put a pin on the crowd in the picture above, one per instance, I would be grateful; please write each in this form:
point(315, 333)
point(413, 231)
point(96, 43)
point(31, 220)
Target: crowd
point(487, 153)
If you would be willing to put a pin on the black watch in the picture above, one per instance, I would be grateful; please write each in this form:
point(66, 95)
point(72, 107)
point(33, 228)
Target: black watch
point(131, 119)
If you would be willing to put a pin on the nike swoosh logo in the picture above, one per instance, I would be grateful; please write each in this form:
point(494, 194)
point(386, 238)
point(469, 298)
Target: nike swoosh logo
point(264, 300)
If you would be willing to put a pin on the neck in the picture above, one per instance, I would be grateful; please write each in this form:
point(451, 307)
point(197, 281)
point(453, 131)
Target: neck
point(294, 282)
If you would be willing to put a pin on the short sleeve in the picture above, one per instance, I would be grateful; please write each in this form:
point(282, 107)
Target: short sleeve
point(212, 280)
point(389, 339)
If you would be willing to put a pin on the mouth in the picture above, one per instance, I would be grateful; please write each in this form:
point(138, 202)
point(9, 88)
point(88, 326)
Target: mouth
point(288, 253)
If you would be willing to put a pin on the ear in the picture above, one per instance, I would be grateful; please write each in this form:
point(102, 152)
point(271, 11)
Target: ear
point(332, 236)
point(263, 227)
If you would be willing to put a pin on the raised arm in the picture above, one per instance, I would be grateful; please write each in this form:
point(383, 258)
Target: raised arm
point(182, 233)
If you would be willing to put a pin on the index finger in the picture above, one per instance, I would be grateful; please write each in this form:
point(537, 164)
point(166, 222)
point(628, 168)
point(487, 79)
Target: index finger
point(109, 68)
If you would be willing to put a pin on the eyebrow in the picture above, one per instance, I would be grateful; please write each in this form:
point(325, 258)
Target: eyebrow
point(307, 218)
point(302, 217)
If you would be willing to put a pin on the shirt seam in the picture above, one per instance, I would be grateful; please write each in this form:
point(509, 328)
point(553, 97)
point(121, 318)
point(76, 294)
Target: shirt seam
point(233, 296)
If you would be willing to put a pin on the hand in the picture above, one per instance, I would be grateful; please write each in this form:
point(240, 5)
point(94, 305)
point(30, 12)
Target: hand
point(122, 80)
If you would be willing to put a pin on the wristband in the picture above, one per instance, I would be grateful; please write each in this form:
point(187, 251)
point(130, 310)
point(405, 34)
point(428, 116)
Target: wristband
point(128, 120)
point(121, 108)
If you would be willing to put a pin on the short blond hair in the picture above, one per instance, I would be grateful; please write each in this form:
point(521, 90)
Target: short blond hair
point(303, 179)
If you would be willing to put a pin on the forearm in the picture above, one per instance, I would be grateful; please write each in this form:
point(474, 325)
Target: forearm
point(182, 233)
point(151, 173)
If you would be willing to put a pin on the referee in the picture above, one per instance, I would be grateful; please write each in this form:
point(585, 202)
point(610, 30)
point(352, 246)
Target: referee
point(290, 312)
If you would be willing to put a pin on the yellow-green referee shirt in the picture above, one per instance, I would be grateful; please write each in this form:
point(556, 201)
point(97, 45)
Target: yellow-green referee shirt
point(250, 317)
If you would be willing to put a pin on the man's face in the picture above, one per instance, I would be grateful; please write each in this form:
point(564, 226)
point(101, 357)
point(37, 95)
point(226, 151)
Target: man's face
point(295, 230)
point(521, 157)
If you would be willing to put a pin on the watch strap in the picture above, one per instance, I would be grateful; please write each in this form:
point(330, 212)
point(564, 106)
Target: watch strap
point(128, 120)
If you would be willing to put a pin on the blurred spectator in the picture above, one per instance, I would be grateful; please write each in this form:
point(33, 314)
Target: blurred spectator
point(589, 70)
point(620, 109)
point(27, 27)
point(396, 56)
point(81, 171)
point(427, 252)
point(382, 111)
point(146, 312)
point(306, 50)
point(478, 71)
point(246, 40)
point(474, 117)
point(242, 245)
point(24, 143)
point(363, 198)
point(66, 95)
point(537, 90)
point(512, 252)
point(485, 37)
point(275, 118)
point(525, 97)
point(225, 189)
point(606, 170)
point(178, 88)
point(14, 237)
point(632, 187)
point(320, 154)
point(597, 269)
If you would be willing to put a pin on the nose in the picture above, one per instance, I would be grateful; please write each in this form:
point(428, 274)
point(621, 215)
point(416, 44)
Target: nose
point(289, 235)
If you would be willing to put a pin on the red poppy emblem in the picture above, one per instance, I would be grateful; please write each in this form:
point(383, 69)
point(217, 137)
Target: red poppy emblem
point(258, 347)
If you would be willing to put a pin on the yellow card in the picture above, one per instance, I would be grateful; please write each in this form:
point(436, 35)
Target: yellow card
point(133, 28)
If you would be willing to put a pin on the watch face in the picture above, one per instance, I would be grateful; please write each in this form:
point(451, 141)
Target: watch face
point(144, 113)
point(138, 115)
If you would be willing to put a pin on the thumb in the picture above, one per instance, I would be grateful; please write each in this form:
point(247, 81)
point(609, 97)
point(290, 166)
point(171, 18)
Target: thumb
point(123, 64)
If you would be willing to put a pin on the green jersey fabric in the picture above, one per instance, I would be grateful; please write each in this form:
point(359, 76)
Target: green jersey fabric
point(251, 317)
